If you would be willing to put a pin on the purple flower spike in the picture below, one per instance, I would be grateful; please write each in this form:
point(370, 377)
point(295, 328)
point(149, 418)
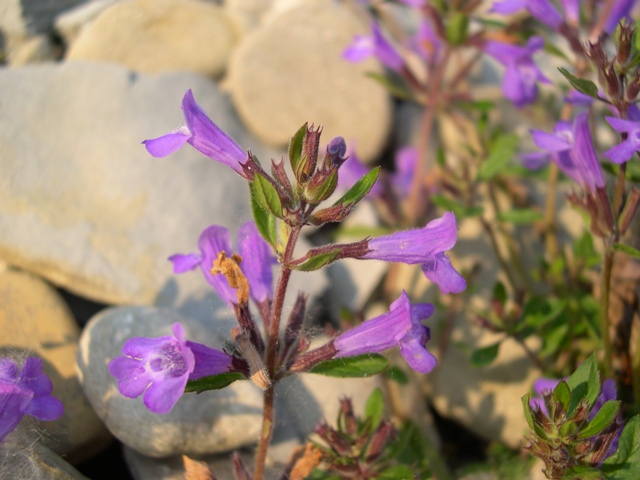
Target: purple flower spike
point(571, 147)
point(159, 368)
point(401, 326)
point(625, 150)
point(256, 263)
point(520, 82)
point(257, 260)
point(425, 246)
point(541, 10)
point(364, 46)
point(25, 391)
point(202, 134)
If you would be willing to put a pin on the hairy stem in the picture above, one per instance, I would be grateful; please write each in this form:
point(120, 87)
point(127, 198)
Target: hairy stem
point(265, 433)
point(604, 309)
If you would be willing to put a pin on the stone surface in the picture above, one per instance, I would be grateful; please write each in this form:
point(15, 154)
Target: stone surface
point(85, 206)
point(24, 459)
point(70, 22)
point(153, 36)
point(290, 71)
point(36, 49)
point(212, 422)
point(35, 320)
point(27, 17)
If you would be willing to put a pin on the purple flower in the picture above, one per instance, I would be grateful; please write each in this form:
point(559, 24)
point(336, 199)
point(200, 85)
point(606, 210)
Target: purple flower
point(401, 326)
point(256, 261)
point(202, 134)
point(159, 368)
point(25, 391)
point(621, 9)
point(522, 75)
point(406, 160)
point(541, 10)
point(376, 44)
point(425, 246)
point(571, 148)
point(624, 150)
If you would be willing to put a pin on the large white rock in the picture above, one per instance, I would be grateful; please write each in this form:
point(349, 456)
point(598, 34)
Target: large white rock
point(153, 36)
point(85, 206)
point(290, 70)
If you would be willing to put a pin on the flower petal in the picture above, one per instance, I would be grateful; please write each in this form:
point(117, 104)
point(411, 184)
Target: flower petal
point(185, 262)
point(257, 259)
point(167, 144)
point(441, 272)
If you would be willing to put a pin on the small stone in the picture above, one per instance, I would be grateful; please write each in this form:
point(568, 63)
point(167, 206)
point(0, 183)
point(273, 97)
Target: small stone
point(70, 22)
point(290, 71)
point(211, 422)
point(36, 49)
point(159, 36)
point(35, 319)
point(29, 17)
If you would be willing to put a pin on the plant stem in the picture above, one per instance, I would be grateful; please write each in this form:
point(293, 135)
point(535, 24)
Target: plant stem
point(551, 239)
point(604, 309)
point(273, 341)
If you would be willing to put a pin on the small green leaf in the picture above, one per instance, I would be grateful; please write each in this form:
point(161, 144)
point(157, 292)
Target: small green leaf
point(632, 252)
point(501, 153)
point(583, 472)
point(360, 189)
point(317, 261)
point(521, 216)
point(374, 409)
point(397, 375)
point(485, 355)
point(398, 472)
point(527, 410)
point(295, 147)
point(584, 383)
point(352, 367)
point(456, 29)
point(562, 394)
point(214, 382)
point(582, 85)
point(602, 420)
point(625, 463)
point(266, 195)
point(266, 223)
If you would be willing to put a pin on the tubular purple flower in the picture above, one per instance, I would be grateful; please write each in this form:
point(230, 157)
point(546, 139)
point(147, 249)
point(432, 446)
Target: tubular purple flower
point(353, 170)
point(571, 10)
point(256, 264)
point(571, 147)
point(427, 43)
point(621, 9)
point(425, 246)
point(159, 368)
point(541, 10)
point(364, 46)
point(25, 391)
point(624, 150)
point(204, 135)
point(406, 159)
point(401, 326)
point(522, 75)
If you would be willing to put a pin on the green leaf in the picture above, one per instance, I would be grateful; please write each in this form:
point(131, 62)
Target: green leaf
point(502, 151)
point(266, 223)
point(393, 84)
point(583, 472)
point(521, 216)
point(456, 29)
point(602, 420)
point(374, 409)
point(295, 147)
point(584, 383)
point(500, 293)
point(266, 195)
point(562, 394)
point(632, 252)
point(397, 375)
point(625, 463)
point(317, 261)
point(399, 472)
point(527, 410)
point(352, 367)
point(214, 382)
point(582, 85)
point(459, 210)
point(485, 355)
point(360, 189)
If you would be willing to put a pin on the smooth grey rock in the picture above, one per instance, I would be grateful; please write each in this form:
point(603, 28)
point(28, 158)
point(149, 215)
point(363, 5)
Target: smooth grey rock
point(159, 36)
point(85, 206)
point(212, 422)
point(22, 458)
point(36, 321)
point(28, 17)
point(290, 71)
